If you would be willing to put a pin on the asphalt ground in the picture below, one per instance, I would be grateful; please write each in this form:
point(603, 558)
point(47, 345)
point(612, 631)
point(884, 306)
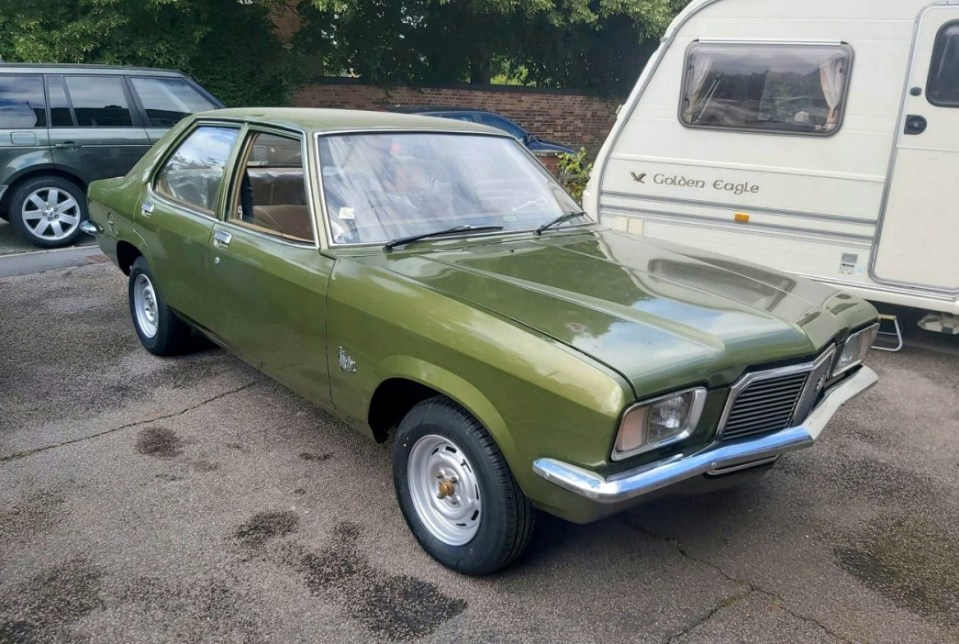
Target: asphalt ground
point(192, 499)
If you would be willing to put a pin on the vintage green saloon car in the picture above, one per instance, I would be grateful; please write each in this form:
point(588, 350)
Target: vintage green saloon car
point(428, 280)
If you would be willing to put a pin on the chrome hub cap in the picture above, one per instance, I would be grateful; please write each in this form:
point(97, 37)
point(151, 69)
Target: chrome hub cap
point(51, 213)
point(145, 305)
point(444, 489)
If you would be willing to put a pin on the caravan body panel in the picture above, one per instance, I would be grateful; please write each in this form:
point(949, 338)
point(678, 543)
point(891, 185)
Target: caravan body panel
point(773, 132)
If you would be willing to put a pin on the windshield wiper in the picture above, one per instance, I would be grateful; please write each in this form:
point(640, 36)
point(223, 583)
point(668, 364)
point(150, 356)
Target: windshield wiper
point(566, 216)
point(400, 241)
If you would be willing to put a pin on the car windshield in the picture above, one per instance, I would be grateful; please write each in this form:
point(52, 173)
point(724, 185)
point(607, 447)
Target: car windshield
point(386, 186)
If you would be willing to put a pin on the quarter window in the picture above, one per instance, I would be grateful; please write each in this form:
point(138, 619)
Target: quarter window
point(943, 86)
point(167, 100)
point(797, 89)
point(194, 173)
point(99, 101)
point(271, 190)
point(21, 102)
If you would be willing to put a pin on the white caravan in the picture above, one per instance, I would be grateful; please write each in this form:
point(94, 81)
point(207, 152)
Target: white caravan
point(818, 137)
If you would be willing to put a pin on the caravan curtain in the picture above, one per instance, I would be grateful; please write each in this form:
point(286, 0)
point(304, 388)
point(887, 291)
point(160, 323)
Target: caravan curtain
point(699, 68)
point(831, 77)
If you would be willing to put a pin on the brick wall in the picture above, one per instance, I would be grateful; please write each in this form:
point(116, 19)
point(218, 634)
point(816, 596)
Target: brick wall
point(554, 115)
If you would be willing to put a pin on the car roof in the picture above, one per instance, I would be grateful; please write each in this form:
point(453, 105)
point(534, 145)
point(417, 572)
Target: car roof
point(421, 109)
point(338, 120)
point(63, 68)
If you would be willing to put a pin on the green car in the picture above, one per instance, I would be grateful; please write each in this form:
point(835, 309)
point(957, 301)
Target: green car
point(430, 283)
point(63, 126)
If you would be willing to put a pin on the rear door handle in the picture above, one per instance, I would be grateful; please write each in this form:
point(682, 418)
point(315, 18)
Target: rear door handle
point(68, 145)
point(222, 239)
point(915, 124)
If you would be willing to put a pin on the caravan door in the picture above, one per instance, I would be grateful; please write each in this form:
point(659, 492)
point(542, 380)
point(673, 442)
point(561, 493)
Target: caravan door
point(919, 234)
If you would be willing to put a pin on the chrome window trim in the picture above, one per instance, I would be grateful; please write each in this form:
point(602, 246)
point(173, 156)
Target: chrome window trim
point(758, 376)
point(695, 415)
point(324, 212)
point(254, 128)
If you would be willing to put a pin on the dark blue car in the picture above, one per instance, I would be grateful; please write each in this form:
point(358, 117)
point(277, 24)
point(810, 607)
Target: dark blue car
point(483, 117)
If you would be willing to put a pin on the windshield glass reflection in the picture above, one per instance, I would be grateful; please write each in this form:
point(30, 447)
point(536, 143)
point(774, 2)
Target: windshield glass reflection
point(380, 187)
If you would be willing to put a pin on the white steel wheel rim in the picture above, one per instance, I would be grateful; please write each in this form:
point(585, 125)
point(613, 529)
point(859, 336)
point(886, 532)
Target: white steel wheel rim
point(444, 489)
point(50, 213)
point(145, 305)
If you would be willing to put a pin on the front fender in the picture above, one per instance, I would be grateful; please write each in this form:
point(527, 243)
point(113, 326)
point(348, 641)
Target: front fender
point(459, 390)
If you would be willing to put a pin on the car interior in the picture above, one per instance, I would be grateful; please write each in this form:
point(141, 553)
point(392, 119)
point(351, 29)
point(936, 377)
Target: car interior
point(272, 195)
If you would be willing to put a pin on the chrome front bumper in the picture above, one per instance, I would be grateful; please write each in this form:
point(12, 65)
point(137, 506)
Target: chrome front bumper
point(718, 458)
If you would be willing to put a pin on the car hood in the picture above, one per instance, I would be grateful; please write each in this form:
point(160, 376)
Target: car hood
point(662, 316)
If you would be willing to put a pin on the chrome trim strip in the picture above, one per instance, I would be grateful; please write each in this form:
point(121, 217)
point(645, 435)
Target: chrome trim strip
point(890, 172)
point(755, 228)
point(744, 466)
point(717, 456)
point(740, 208)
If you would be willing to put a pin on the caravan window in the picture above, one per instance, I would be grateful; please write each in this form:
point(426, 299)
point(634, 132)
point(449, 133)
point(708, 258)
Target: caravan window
point(795, 89)
point(943, 83)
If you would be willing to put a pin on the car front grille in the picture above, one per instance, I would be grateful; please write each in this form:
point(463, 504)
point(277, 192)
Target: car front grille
point(768, 401)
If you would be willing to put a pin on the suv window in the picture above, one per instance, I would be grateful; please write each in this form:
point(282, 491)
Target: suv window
point(796, 89)
point(194, 172)
point(21, 101)
point(99, 101)
point(167, 100)
point(943, 85)
point(271, 193)
point(60, 113)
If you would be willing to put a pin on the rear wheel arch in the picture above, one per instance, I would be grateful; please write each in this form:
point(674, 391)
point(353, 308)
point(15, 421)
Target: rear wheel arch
point(127, 253)
point(32, 173)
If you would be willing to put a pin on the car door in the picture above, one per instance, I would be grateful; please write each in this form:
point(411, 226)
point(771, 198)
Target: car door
point(164, 100)
point(23, 124)
point(268, 276)
point(98, 135)
point(177, 213)
point(920, 225)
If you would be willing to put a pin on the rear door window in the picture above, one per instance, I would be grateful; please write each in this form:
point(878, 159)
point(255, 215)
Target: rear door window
point(167, 100)
point(194, 173)
point(60, 113)
point(943, 85)
point(21, 101)
point(99, 101)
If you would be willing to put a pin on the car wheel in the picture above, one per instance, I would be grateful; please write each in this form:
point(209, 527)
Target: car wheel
point(456, 491)
point(160, 330)
point(48, 211)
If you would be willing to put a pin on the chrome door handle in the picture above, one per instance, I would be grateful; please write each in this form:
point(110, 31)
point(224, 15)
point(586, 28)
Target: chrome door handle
point(68, 145)
point(221, 239)
point(146, 208)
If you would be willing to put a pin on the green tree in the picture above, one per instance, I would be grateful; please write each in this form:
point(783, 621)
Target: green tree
point(599, 45)
point(227, 45)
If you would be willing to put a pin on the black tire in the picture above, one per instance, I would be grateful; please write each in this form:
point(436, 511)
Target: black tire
point(506, 516)
point(47, 237)
point(171, 335)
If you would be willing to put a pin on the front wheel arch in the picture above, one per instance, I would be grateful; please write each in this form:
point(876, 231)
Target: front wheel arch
point(427, 377)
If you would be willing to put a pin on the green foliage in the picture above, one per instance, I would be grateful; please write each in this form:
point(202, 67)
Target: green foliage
point(596, 45)
point(574, 172)
point(226, 45)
